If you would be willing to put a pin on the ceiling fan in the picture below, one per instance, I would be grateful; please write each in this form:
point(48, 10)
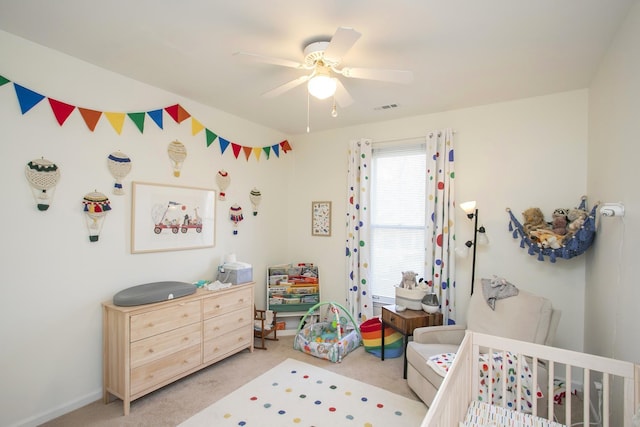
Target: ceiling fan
point(324, 60)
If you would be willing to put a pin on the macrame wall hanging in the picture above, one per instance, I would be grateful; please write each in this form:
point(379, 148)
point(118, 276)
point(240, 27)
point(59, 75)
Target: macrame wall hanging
point(43, 176)
point(256, 197)
point(119, 165)
point(235, 215)
point(223, 180)
point(177, 154)
point(95, 205)
point(545, 240)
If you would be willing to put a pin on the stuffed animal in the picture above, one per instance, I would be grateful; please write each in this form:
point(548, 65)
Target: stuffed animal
point(547, 238)
point(559, 221)
point(576, 218)
point(533, 220)
point(409, 280)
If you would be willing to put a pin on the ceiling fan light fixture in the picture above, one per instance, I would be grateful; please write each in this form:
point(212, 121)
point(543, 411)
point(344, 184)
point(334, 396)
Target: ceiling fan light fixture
point(322, 85)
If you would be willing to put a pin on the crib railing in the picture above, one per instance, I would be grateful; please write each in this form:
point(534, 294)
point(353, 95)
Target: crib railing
point(618, 380)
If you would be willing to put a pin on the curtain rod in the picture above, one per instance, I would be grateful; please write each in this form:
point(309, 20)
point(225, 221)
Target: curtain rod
point(384, 141)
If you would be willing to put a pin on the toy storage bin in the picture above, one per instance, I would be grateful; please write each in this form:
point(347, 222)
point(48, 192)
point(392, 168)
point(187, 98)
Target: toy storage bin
point(371, 331)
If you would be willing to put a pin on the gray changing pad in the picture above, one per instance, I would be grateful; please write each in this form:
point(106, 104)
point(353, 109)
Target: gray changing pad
point(153, 292)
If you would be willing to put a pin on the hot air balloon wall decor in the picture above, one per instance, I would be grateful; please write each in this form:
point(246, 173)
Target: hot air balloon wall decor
point(171, 217)
point(223, 180)
point(119, 165)
point(95, 206)
point(255, 197)
point(43, 176)
point(177, 154)
point(235, 215)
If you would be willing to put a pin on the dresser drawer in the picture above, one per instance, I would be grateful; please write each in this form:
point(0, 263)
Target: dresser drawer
point(219, 347)
point(164, 319)
point(161, 345)
point(227, 302)
point(151, 374)
point(220, 325)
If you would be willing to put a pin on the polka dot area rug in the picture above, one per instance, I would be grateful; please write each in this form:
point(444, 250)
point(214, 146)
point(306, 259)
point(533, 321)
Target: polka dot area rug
point(295, 393)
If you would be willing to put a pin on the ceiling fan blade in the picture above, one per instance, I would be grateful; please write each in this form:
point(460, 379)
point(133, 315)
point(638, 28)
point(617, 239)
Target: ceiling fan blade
point(343, 98)
point(270, 60)
point(285, 87)
point(395, 76)
point(340, 43)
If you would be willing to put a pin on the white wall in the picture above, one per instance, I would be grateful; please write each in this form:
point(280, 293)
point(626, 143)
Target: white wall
point(611, 326)
point(530, 152)
point(53, 278)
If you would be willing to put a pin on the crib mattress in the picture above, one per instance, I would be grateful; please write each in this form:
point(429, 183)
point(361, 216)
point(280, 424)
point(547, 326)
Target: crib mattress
point(480, 414)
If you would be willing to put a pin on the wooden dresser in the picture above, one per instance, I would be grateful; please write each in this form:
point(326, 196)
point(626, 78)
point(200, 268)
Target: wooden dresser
point(146, 347)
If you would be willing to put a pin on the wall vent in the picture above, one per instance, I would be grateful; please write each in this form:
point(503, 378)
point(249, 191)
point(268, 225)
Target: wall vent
point(386, 107)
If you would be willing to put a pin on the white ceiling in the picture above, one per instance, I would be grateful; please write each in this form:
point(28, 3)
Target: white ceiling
point(462, 52)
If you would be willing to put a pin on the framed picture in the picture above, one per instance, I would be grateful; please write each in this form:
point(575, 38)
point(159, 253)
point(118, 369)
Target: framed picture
point(171, 218)
point(321, 218)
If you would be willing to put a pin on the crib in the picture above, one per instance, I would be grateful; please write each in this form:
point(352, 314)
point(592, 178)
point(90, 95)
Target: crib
point(456, 403)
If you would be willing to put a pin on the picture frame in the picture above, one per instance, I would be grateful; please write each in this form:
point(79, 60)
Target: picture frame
point(171, 218)
point(321, 218)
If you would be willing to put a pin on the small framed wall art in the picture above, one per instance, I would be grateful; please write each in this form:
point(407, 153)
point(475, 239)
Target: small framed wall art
point(321, 219)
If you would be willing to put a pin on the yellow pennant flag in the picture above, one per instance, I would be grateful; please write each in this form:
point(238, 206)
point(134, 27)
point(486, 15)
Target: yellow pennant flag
point(196, 126)
point(116, 120)
point(256, 152)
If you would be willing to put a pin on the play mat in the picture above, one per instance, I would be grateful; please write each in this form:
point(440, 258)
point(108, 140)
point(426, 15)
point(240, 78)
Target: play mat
point(327, 331)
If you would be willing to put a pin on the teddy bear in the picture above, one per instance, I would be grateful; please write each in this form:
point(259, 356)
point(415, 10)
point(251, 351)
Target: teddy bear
point(533, 220)
point(576, 218)
point(559, 221)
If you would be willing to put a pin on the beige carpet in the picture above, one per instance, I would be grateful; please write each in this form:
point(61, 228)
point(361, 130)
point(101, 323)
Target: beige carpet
point(179, 401)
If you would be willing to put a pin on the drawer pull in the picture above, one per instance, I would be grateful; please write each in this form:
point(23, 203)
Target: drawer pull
point(150, 350)
point(392, 318)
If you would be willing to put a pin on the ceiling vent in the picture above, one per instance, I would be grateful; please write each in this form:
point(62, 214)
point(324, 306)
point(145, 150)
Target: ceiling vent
point(386, 107)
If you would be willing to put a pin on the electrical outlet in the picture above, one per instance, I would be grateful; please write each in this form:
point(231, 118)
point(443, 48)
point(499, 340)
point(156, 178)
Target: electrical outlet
point(598, 385)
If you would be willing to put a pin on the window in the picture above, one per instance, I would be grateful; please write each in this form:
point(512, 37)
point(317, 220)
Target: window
point(397, 216)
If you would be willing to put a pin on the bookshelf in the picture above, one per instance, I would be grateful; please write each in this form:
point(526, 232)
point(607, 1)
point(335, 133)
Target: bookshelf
point(292, 289)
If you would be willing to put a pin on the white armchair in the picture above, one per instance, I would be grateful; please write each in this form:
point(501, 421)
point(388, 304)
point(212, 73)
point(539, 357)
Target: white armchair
point(525, 317)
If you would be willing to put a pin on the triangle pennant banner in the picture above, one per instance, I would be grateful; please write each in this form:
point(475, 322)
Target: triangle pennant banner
point(196, 126)
point(156, 116)
point(236, 149)
point(4, 80)
point(61, 110)
point(256, 152)
point(138, 119)
point(90, 117)
point(116, 120)
point(178, 113)
point(223, 144)
point(267, 151)
point(285, 146)
point(26, 97)
point(276, 150)
point(210, 137)
point(247, 152)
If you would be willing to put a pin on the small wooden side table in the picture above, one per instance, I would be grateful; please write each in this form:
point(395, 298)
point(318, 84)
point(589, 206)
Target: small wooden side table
point(405, 322)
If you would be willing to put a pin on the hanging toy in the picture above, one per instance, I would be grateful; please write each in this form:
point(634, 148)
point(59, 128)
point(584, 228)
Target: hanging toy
point(119, 166)
point(235, 215)
point(177, 154)
point(43, 175)
point(95, 206)
point(223, 180)
point(256, 197)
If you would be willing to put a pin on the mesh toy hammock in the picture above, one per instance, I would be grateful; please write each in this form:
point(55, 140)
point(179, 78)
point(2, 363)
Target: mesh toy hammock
point(571, 247)
point(332, 337)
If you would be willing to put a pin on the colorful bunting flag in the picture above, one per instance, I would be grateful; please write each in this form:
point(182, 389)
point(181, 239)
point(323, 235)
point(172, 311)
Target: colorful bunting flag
point(90, 117)
point(61, 110)
point(28, 99)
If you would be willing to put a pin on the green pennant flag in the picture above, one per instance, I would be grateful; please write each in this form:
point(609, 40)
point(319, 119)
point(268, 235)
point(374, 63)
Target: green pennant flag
point(138, 119)
point(210, 137)
point(267, 151)
point(4, 80)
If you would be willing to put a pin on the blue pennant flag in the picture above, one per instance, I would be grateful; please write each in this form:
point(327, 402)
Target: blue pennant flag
point(223, 144)
point(26, 97)
point(156, 116)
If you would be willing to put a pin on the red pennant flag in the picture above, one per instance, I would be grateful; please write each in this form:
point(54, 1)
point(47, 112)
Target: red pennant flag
point(178, 113)
point(247, 152)
point(61, 110)
point(285, 146)
point(90, 117)
point(236, 149)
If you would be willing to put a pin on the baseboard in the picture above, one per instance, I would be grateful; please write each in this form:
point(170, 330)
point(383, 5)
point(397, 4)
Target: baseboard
point(38, 419)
